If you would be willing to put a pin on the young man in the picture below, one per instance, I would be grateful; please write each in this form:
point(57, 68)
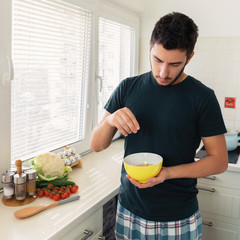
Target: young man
point(167, 112)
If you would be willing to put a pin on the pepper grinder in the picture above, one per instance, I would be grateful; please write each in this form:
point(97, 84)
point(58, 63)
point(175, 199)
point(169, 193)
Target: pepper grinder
point(31, 181)
point(20, 182)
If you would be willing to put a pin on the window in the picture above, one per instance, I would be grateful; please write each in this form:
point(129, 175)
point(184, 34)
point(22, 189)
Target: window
point(57, 48)
point(116, 57)
point(50, 49)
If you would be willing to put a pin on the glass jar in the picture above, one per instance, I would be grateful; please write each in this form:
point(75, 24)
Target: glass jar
point(31, 181)
point(8, 186)
point(20, 186)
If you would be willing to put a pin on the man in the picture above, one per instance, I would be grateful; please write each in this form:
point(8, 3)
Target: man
point(167, 112)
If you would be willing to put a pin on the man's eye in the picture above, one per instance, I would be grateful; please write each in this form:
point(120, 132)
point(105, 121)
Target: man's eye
point(175, 64)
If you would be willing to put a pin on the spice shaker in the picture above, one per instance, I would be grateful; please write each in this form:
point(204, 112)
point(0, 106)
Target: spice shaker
point(31, 181)
point(8, 186)
point(11, 170)
point(20, 182)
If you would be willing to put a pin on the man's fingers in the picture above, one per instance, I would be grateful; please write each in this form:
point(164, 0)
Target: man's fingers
point(123, 128)
point(138, 184)
point(128, 121)
point(125, 121)
point(132, 121)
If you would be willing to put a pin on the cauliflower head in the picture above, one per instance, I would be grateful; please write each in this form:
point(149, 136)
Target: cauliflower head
point(50, 166)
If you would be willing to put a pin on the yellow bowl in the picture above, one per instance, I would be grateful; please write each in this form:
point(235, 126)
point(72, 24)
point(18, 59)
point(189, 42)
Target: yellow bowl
point(142, 166)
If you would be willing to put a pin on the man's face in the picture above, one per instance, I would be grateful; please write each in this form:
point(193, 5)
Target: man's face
point(167, 65)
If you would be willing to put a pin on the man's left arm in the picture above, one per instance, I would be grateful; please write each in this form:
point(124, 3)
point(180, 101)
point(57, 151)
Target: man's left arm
point(215, 162)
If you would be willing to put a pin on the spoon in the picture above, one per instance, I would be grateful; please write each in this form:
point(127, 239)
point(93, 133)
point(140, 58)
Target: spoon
point(30, 211)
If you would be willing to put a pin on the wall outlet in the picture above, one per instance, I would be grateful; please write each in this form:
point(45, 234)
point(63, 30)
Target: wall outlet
point(230, 102)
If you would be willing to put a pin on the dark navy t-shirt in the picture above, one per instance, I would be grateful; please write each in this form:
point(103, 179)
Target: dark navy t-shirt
point(172, 121)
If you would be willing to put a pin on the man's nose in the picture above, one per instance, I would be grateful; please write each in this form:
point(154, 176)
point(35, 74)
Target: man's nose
point(164, 71)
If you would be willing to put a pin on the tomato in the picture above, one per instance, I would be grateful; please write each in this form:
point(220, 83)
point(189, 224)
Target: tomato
point(73, 189)
point(68, 192)
point(57, 193)
point(64, 195)
point(55, 190)
point(50, 186)
point(40, 193)
point(46, 192)
point(51, 195)
point(56, 197)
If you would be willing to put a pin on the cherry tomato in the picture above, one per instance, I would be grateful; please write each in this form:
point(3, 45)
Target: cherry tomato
point(68, 192)
point(73, 189)
point(51, 195)
point(46, 192)
point(40, 193)
point(56, 197)
point(64, 196)
point(50, 186)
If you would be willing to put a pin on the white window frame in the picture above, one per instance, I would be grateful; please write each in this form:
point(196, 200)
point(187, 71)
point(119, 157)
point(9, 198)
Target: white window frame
point(123, 16)
point(99, 8)
point(5, 86)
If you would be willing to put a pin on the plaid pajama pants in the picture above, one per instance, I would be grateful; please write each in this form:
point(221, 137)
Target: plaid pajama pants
point(131, 227)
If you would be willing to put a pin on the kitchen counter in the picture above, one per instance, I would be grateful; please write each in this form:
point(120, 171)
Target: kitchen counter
point(98, 181)
point(231, 167)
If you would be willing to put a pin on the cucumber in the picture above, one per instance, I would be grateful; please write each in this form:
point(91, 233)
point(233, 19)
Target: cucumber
point(56, 182)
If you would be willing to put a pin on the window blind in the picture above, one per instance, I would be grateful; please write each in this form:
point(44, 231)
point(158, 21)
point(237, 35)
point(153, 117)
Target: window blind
point(117, 43)
point(50, 50)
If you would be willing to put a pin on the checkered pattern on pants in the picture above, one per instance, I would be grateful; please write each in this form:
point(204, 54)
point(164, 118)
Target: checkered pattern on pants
point(132, 227)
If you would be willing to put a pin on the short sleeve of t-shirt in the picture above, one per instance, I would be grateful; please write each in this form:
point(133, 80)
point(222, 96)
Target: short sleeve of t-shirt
point(210, 121)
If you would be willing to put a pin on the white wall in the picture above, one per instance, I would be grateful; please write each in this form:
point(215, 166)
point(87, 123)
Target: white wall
point(215, 18)
point(217, 55)
point(137, 6)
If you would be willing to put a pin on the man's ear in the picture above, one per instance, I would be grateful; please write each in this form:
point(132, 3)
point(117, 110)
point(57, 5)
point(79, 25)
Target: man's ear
point(189, 58)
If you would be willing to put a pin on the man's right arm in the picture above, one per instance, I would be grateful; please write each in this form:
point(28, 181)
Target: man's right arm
point(122, 120)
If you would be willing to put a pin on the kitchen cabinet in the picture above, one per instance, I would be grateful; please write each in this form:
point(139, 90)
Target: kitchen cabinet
point(220, 231)
point(219, 203)
point(89, 229)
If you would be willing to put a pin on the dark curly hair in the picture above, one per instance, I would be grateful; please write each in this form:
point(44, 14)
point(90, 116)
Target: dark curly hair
point(175, 31)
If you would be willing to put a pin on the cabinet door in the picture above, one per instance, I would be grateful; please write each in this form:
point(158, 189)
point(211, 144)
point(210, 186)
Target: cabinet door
point(98, 236)
point(93, 223)
point(227, 179)
point(222, 203)
point(213, 230)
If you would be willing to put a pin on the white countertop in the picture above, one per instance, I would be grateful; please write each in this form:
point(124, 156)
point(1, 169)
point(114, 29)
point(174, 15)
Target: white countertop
point(231, 167)
point(98, 181)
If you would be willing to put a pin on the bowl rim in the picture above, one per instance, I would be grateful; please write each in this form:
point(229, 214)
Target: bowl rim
point(159, 158)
